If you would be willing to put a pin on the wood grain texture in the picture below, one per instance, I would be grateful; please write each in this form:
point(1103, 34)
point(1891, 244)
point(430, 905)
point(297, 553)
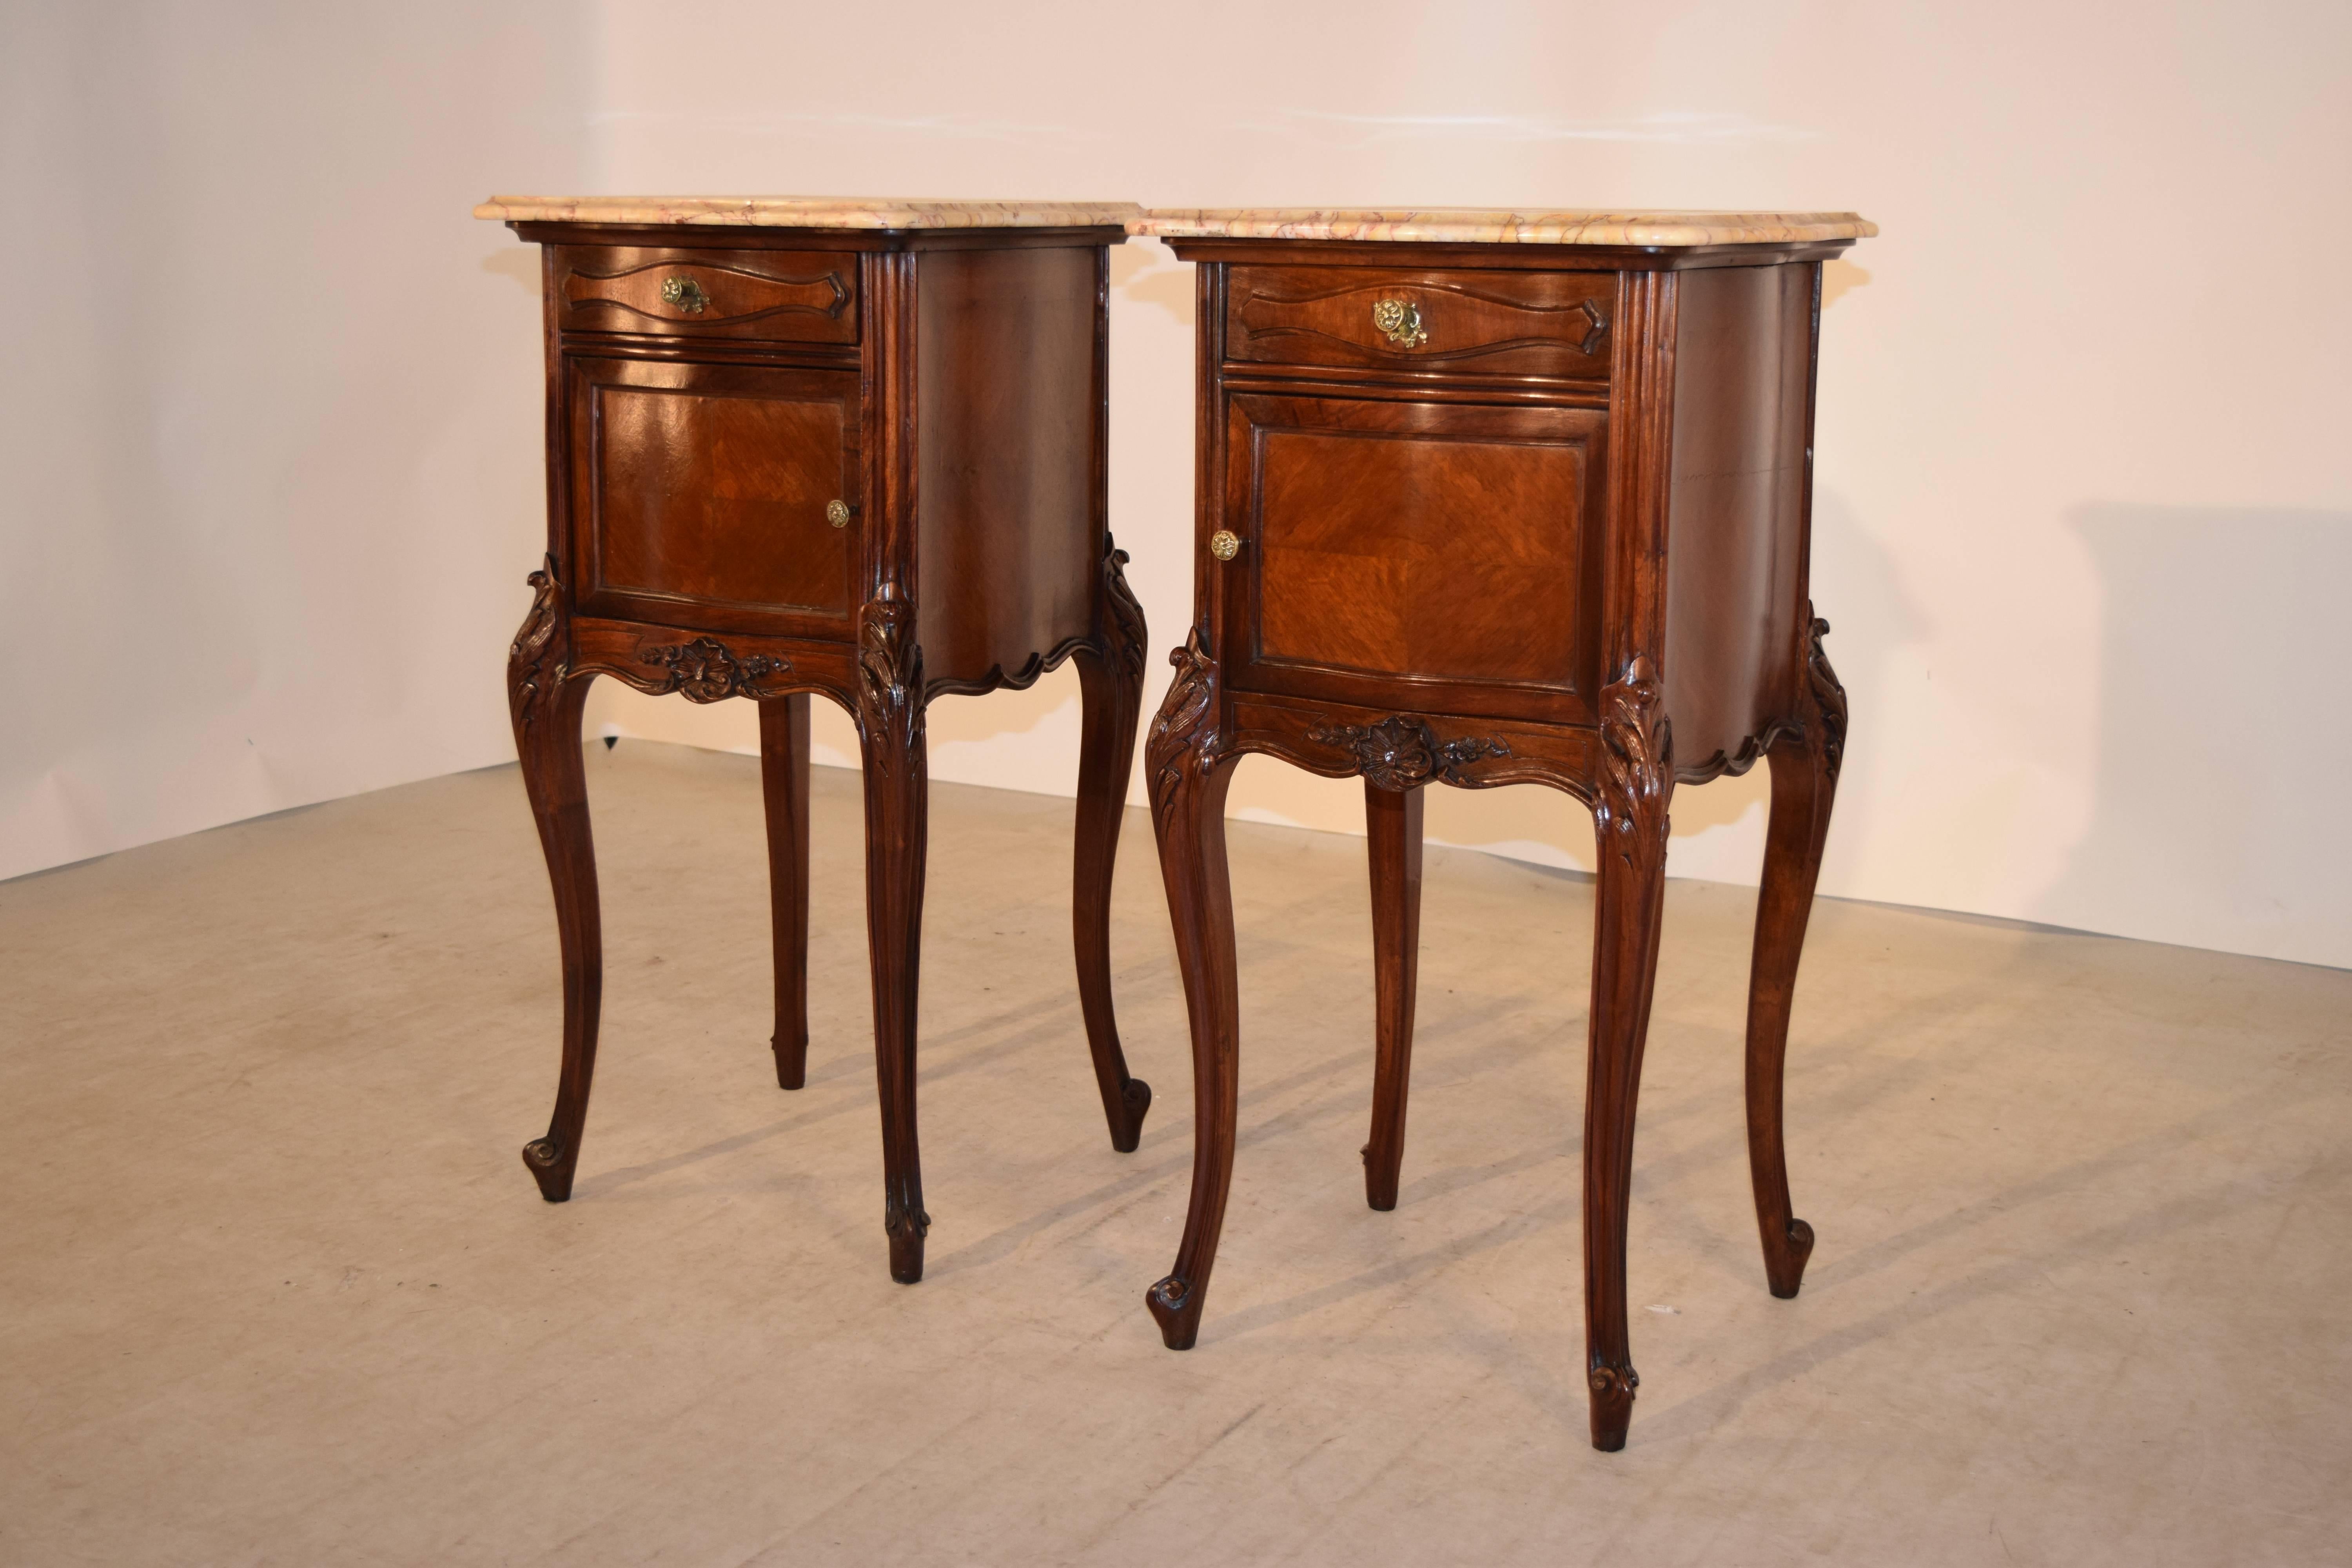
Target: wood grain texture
point(1008, 403)
point(1741, 427)
point(1189, 768)
point(808, 297)
point(1629, 827)
point(948, 389)
point(1453, 547)
point(1431, 571)
point(704, 491)
point(1805, 762)
point(890, 729)
point(1393, 837)
point(784, 792)
point(1110, 693)
point(1546, 324)
point(545, 698)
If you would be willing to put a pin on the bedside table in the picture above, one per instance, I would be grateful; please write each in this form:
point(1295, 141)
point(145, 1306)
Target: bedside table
point(850, 448)
point(1485, 498)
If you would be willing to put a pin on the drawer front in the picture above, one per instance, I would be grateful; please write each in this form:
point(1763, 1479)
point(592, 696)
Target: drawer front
point(773, 296)
point(703, 495)
point(1443, 557)
point(1549, 324)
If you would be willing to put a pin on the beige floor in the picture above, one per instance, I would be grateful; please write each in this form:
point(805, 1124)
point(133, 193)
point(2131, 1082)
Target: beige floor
point(277, 1289)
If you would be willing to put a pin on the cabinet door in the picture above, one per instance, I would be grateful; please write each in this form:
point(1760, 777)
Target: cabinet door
point(700, 495)
point(1438, 556)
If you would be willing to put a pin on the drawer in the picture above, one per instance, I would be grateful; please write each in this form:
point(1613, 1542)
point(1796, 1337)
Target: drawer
point(1448, 550)
point(771, 296)
point(706, 495)
point(1551, 324)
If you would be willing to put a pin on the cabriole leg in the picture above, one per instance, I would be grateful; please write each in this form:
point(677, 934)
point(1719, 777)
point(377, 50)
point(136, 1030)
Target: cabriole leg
point(897, 790)
point(1393, 820)
point(1189, 771)
point(1804, 784)
point(1630, 822)
point(1110, 694)
point(547, 738)
point(784, 785)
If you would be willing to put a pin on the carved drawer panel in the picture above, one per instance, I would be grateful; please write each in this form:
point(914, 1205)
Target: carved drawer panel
point(1551, 324)
point(776, 296)
point(1453, 546)
point(716, 496)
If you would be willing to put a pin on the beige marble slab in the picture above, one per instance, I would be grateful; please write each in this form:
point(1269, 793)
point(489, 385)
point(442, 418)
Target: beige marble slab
point(807, 212)
point(1496, 226)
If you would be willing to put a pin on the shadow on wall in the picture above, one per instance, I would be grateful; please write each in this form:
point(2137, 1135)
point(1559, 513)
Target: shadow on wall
point(1872, 619)
point(2219, 812)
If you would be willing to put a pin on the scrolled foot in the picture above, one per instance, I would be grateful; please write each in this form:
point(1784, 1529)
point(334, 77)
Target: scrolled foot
point(1134, 1100)
point(1176, 1307)
point(551, 1165)
point(1613, 1405)
point(905, 1229)
point(1787, 1269)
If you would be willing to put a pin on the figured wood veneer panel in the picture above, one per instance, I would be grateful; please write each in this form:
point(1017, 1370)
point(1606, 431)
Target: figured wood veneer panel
point(720, 498)
point(1439, 556)
point(1009, 400)
point(1736, 516)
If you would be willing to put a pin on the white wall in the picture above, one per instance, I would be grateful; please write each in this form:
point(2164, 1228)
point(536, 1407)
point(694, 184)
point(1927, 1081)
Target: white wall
point(2084, 509)
point(266, 485)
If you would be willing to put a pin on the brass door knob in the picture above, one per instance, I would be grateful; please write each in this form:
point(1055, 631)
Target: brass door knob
point(837, 512)
point(685, 293)
point(1399, 322)
point(1224, 544)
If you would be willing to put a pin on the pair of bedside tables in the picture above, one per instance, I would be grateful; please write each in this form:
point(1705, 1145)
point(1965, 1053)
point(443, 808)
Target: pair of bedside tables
point(1483, 499)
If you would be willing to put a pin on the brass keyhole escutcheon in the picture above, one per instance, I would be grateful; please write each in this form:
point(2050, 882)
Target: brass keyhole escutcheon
point(837, 512)
point(1399, 322)
point(685, 293)
point(1224, 544)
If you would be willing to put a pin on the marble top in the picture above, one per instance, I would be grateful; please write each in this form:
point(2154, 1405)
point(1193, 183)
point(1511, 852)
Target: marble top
point(809, 211)
point(1496, 226)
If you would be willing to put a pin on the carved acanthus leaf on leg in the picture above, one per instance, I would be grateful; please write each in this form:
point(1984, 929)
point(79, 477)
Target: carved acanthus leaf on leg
point(536, 668)
point(889, 669)
point(1123, 615)
point(1637, 769)
point(1184, 738)
point(1828, 725)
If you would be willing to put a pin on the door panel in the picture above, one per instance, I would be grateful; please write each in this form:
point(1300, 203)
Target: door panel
point(702, 494)
point(1453, 546)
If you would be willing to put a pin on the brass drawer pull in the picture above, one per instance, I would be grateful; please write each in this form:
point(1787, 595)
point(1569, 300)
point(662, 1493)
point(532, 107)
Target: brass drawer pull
point(685, 293)
point(1400, 322)
point(1224, 544)
point(837, 512)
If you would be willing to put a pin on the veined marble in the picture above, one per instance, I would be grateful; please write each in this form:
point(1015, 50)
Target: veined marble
point(807, 212)
point(1483, 226)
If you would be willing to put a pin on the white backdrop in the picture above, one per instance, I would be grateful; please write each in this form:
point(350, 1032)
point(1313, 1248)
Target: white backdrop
point(2084, 507)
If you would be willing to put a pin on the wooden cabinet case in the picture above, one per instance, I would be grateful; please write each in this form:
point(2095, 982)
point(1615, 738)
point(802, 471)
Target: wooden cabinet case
point(848, 449)
point(1482, 499)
